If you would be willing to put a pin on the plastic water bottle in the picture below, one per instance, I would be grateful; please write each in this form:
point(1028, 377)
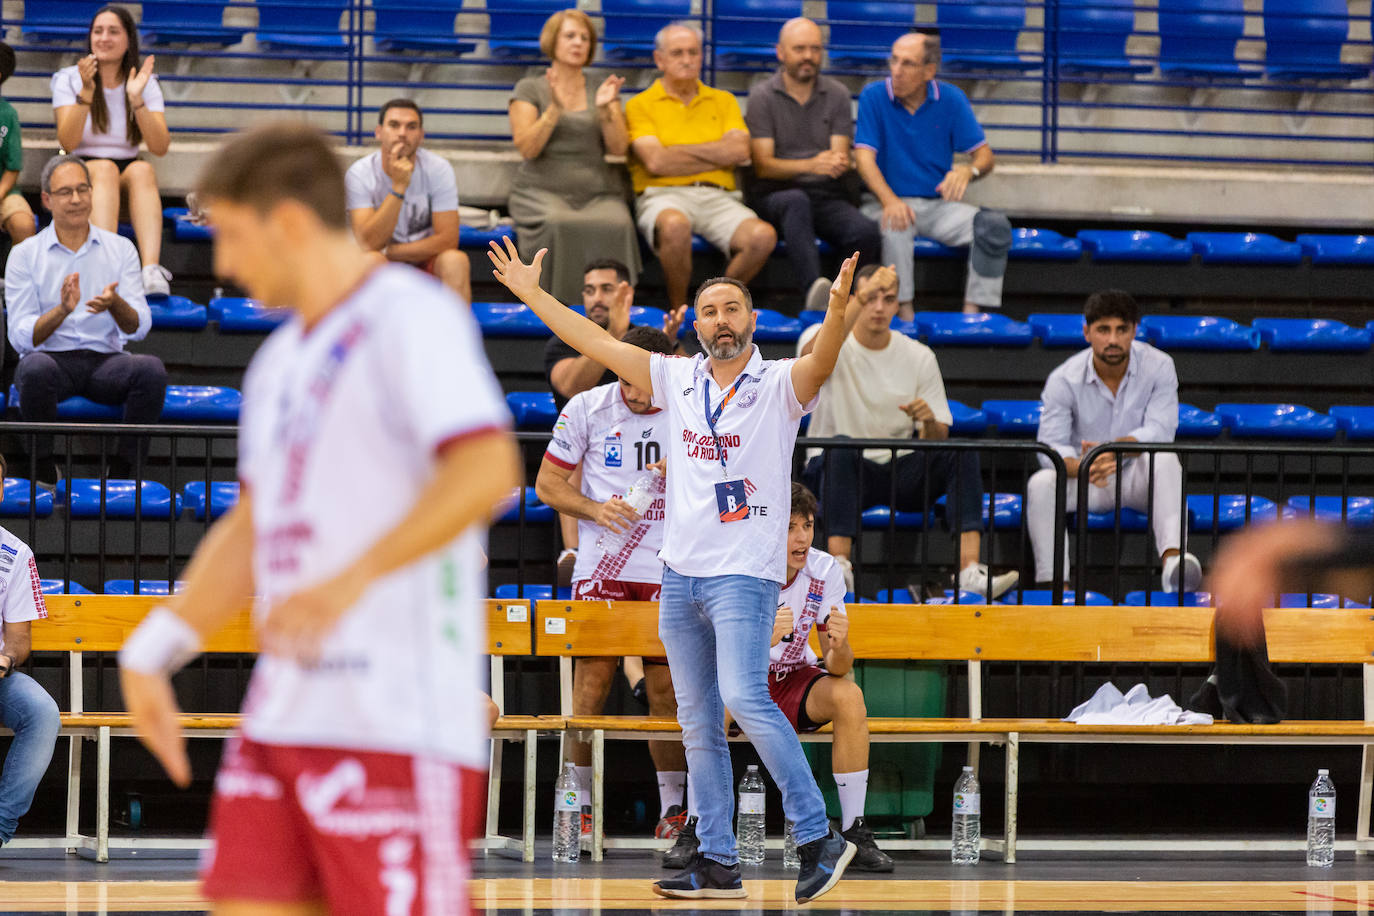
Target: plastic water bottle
point(749, 825)
point(967, 829)
point(567, 817)
point(1321, 822)
point(641, 495)
point(790, 859)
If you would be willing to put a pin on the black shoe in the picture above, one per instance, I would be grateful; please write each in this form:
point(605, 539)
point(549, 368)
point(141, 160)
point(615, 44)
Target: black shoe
point(823, 863)
point(1207, 700)
point(685, 849)
point(640, 693)
point(703, 878)
point(868, 857)
point(46, 473)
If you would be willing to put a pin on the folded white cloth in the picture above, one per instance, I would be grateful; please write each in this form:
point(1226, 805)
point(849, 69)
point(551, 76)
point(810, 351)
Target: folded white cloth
point(1110, 706)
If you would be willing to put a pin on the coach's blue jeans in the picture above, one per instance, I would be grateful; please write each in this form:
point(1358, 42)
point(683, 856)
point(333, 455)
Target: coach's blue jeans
point(716, 631)
point(28, 711)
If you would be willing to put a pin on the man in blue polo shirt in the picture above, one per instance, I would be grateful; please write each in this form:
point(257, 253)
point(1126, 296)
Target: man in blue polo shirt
point(909, 128)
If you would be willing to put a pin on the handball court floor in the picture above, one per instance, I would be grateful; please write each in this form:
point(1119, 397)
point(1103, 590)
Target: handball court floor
point(46, 881)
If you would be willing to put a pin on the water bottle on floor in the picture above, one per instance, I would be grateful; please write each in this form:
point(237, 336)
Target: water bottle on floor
point(749, 825)
point(567, 816)
point(641, 495)
point(967, 832)
point(790, 859)
point(1321, 822)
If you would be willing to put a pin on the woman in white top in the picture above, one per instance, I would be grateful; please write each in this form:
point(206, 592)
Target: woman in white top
point(106, 106)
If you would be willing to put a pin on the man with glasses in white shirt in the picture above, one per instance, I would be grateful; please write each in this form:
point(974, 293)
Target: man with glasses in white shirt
point(1118, 390)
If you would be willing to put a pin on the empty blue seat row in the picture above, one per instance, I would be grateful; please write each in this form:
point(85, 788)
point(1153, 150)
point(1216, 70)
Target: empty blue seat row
point(224, 495)
point(121, 498)
point(177, 312)
point(532, 409)
point(21, 496)
point(535, 511)
point(1275, 421)
point(237, 315)
point(1357, 510)
point(510, 592)
point(473, 237)
point(60, 587)
point(142, 587)
point(1044, 596)
point(182, 404)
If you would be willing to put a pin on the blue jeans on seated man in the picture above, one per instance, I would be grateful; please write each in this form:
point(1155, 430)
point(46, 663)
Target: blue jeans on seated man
point(716, 631)
point(31, 713)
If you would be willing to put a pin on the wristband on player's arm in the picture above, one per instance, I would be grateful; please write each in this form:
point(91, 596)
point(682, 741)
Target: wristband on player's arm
point(162, 644)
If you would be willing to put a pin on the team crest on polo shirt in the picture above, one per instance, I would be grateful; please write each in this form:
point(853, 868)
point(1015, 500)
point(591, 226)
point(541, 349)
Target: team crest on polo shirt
point(749, 398)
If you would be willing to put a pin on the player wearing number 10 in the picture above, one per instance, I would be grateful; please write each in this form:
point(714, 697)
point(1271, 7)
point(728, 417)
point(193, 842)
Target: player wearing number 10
point(732, 423)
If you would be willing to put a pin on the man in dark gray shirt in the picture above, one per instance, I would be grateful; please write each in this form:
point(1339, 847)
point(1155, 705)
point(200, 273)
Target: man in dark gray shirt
point(801, 126)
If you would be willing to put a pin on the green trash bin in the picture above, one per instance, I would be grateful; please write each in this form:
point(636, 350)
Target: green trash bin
point(901, 777)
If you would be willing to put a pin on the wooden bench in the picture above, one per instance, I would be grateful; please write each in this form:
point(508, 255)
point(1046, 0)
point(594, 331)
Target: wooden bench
point(100, 623)
point(976, 633)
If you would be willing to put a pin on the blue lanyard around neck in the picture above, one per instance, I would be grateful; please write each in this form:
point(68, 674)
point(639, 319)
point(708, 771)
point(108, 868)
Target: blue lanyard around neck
point(712, 417)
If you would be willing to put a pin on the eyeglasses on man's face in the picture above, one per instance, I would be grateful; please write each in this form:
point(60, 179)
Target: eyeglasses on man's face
point(67, 193)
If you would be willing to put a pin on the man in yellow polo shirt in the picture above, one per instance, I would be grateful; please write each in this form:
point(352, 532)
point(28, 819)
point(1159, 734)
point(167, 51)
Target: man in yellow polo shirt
point(686, 139)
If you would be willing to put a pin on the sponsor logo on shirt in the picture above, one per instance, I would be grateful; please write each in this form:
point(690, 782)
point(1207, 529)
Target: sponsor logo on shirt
point(612, 453)
point(339, 803)
point(709, 448)
point(749, 398)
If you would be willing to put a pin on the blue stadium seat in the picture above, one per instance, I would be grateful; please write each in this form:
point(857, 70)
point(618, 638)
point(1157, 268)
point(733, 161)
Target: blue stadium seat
point(968, 421)
point(201, 404)
point(535, 511)
point(1043, 245)
point(1197, 39)
point(119, 498)
point(480, 238)
point(183, 230)
point(1168, 599)
point(237, 315)
point(1359, 510)
point(809, 317)
point(1013, 418)
point(59, 587)
point(510, 592)
point(508, 319)
point(1244, 248)
point(1275, 421)
point(775, 326)
point(513, 26)
point(143, 587)
point(306, 26)
point(1131, 520)
point(58, 21)
point(404, 25)
point(20, 495)
point(965, 597)
point(1303, 40)
point(981, 37)
point(639, 314)
point(1092, 37)
point(1358, 422)
point(1314, 334)
point(1005, 509)
point(1318, 600)
point(1194, 423)
point(895, 596)
point(876, 518)
point(947, 329)
point(1045, 596)
point(1135, 245)
point(177, 312)
point(632, 24)
point(1058, 329)
point(532, 409)
point(1196, 332)
point(929, 248)
point(199, 22)
point(77, 408)
point(862, 31)
point(224, 495)
point(1227, 511)
point(1338, 249)
point(746, 31)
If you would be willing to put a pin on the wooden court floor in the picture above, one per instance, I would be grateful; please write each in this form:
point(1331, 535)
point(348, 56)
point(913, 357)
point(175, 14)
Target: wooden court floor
point(536, 896)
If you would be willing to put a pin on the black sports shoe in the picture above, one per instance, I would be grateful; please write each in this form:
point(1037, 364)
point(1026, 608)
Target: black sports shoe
point(685, 849)
point(823, 863)
point(868, 857)
point(704, 878)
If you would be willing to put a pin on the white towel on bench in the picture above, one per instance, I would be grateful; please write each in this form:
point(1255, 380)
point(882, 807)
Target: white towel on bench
point(1110, 706)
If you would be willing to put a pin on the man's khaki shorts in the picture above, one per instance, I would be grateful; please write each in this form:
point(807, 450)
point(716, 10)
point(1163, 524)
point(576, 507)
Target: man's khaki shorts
point(13, 205)
point(714, 213)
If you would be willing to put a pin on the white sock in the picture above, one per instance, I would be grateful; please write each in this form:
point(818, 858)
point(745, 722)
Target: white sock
point(672, 786)
point(853, 789)
point(584, 781)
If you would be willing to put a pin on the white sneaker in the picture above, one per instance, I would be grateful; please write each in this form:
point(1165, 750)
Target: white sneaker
point(155, 280)
point(1192, 573)
point(847, 568)
point(974, 578)
point(818, 296)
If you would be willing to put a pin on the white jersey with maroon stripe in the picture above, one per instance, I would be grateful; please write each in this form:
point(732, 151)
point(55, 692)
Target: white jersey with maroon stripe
point(339, 435)
point(817, 588)
point(21, 594)
point(613, 444)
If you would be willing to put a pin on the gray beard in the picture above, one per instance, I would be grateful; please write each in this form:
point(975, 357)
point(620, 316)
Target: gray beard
point(728, 352)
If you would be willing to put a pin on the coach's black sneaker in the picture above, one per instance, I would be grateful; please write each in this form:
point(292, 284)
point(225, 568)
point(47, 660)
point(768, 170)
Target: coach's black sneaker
point(823, 863)
point(685, 849)
point(868, 857)
point(704, 878)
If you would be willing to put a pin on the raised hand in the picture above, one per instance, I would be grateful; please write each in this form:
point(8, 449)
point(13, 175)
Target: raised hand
point(85, 68)
point(137, 81)
point(844, 281)
point(619, 320)
point(608, 93)
point(672, 321)
point(515, 275)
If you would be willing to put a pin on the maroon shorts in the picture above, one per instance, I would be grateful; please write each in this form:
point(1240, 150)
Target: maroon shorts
point(615, 590)
point(790, 693)
point(362, 831)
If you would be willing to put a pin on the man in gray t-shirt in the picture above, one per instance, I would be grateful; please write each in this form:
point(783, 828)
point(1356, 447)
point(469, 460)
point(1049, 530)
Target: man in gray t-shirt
point(801, 126)
point(403, 200)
